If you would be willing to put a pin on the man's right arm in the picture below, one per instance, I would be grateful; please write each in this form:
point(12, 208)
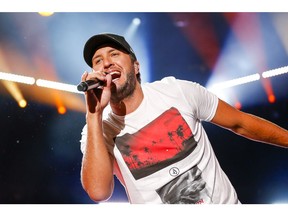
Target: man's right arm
point(97, 164)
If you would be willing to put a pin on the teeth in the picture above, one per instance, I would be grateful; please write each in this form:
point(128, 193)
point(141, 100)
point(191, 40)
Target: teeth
point(115, 77)
point(114, 72)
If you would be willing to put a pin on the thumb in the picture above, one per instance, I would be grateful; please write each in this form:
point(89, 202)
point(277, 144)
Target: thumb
point(108, 80)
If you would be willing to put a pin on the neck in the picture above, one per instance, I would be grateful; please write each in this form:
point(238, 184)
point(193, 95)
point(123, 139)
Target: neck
point(129, 104)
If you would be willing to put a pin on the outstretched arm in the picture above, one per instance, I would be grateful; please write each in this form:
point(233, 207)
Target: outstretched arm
point(250, 126)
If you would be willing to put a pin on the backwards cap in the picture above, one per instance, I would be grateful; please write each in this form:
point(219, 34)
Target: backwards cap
point(96, 41)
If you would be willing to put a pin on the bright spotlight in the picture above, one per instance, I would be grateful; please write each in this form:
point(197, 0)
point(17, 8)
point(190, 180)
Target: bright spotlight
point(15, 93)
point(271, 98)
point(61, 110)
point(22, 103)
point(275, 72)
point(235, 82)
point(132, 28)
point(57, 85)
point(46, 13)
point(136, 21)
point(17, 78)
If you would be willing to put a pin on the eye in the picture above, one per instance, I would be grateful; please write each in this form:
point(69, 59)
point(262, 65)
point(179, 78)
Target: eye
point(114, 53)
point(97, 61)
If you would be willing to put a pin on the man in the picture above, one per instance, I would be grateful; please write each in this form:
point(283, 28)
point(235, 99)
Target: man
point(150, 136)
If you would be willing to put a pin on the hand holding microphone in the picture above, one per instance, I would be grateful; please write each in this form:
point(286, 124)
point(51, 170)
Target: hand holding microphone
point(89, 84)
point(95, 100)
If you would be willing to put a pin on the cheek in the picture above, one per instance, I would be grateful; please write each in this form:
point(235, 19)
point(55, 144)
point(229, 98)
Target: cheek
point(96, 68)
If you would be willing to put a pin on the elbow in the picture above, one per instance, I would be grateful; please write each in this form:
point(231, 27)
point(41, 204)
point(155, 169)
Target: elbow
point(238, 130)
point(98, 196)
point(98, 193)
point(241, 132)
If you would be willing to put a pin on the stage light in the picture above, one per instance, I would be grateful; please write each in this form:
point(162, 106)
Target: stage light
point(46, 13)
point(61, 110)
point(139, 46)
point(22, 103)
point(17, 78)
point(235, 82)
point(57, 85)
point(238, 105)
point(275, 72)
point(15, 92)
point(136, 21)
point(271, 98)
point(132, 28)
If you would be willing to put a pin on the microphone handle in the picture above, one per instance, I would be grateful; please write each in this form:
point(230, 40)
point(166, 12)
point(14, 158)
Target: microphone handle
point(89, 84)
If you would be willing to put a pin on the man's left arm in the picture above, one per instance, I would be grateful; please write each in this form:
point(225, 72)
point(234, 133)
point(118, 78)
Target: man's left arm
point(249, 126)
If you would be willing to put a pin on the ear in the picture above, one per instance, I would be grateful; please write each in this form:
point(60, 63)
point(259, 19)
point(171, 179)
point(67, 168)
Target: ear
point(136, 67)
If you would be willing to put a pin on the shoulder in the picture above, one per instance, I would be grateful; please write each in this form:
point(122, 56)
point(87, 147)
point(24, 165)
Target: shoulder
point(165, 80)
point(170, 81)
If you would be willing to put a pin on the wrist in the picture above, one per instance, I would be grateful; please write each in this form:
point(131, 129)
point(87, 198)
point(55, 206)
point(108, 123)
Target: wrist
point(94, 118)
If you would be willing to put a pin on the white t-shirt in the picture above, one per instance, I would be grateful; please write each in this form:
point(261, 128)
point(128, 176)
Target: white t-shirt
point(162, 152)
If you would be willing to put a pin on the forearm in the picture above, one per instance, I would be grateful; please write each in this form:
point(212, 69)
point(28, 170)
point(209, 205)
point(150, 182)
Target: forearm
point(97, 166)
point(261, 130)
point(250, 126)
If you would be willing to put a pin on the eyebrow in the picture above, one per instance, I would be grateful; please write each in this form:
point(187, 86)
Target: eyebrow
point(112, 49)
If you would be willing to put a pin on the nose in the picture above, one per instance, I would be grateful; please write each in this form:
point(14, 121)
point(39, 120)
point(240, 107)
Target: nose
point(107, 62)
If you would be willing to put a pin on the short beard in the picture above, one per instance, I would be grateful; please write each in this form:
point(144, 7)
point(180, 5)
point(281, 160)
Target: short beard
point(126, 90)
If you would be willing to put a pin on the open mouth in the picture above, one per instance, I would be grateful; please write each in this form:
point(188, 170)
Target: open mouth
point(115, 76)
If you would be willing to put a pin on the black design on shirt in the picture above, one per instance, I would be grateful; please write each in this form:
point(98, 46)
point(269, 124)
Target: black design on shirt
point(188, 188)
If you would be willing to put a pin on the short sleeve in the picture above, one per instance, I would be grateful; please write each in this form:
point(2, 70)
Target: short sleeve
point(203, 102)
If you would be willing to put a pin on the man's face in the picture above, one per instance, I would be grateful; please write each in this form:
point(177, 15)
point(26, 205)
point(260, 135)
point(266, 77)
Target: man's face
point(118, 64)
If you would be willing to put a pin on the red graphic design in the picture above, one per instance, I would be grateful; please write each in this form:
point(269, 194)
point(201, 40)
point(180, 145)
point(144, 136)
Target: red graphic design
point(162, 142)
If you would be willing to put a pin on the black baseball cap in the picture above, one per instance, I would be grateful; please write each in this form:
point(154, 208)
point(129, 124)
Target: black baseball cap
point(96, 41)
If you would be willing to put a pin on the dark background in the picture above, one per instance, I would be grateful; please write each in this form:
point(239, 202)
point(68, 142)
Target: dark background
point(40, 155)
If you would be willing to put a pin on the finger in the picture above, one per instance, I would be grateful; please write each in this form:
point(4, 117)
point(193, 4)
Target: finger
point(108, 78)
point(100, 75)
point(84, 76)
point(99, 72)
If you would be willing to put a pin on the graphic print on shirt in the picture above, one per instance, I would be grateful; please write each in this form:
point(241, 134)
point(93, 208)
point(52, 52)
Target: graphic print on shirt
point(188, 188)
point(162, 142)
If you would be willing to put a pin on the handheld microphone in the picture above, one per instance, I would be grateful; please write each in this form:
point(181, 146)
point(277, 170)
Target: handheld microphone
point(89, 84)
